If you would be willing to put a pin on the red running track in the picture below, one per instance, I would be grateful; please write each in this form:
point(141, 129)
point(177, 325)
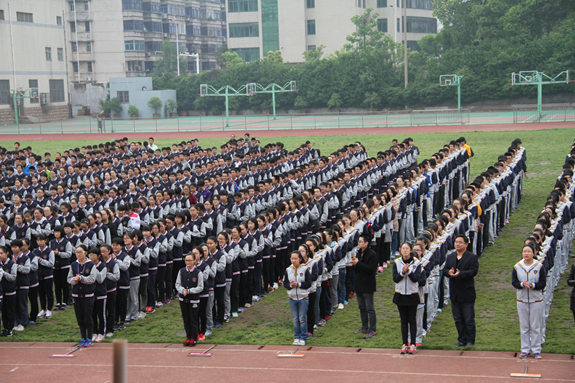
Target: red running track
point(403, 130)
point(31, 362)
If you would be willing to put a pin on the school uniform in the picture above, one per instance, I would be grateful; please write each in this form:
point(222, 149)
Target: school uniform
point(123, 289)
point(8, 284)
point(191, 281)
point(46, 260)
point(218, 312)
point(406, 296)
point(153, 251)
point(144, 275)
point(112, 278)
point(135, 259)
point(298, 298)
point(100, 300)
point(22, 287)
point(530, 302)
point(83, 294)
point(61, 269)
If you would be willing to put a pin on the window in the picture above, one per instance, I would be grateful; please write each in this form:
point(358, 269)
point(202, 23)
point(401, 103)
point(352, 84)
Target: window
point(421, 24)
point(124, 96)
point(57, 91)
point(310, 3)
point(420, 4)
point(2, 15)
point(149, 65)
point(270, 26)
point(48, 54)
point(4, 92)
point(153, 46)
point(33, 85)
point(364, 4)
point(311, 47)
point(248, 54)
point(88, 47)
point(381, 3)
point(72, 26)
point(382, 25)
point(192, 12)
point(72, 6)
point(60, 54)
point(151, 7)
point(207, 65)
point(137, 45)
point(132, 4)
point(74, 47)
point(192, 66)
point(87, 26)
point(24, 17)
point(311, 27)
point(153, 26)
point(133, 25)
point(86, 6)
point(89, 67)
point(244, 30)
point(397, 23)
point(242, 5)
point(170, 28)
point(193, 30)
point(75, 66)
point(58, 20)
point(414, 46)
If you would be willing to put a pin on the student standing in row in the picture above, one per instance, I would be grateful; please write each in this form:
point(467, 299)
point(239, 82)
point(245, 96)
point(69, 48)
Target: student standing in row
point(189, 284)
point(8, 284)
point(364, 264)
point(297, 281)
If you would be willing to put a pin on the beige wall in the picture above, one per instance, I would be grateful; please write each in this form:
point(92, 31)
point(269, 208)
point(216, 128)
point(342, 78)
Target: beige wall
point(29, 43)
point(292, 26)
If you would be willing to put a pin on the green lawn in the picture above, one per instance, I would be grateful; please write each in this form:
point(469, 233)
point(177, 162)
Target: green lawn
point(269, 321)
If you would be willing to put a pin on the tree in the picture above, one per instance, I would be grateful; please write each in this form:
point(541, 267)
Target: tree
point(116, 105)
point(230, 59)
point(310, 55)
point(335, 101)
point(219, 55)
point(168, 61)
point(133, 110)
point(371, 100)
point(367, 37)
point(105, 106)
point(172, 105)
point(300, 102)
point(155, 103)
point(274, 57)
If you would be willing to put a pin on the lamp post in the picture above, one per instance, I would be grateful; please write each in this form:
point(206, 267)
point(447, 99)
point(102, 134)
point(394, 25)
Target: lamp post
point(173, 18)
point(197, 56)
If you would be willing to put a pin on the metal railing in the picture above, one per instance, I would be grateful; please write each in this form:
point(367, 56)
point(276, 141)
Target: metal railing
point(547, 114)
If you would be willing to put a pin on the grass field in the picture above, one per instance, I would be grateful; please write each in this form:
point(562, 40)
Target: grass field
point(269, 321)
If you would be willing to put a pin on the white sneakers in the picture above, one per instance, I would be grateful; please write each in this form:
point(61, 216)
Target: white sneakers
point(19, 328)
point(296, 342)
point(340, 306)
point(48, 314)
point(42, 314)
point(275, 286)
point(109, 335)
point(141, 315)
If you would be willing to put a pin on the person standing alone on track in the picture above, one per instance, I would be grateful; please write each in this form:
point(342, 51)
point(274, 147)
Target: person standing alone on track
point(462, 266)
point(365, 267)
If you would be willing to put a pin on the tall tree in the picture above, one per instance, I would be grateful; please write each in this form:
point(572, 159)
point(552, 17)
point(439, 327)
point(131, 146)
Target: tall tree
point(167, 63)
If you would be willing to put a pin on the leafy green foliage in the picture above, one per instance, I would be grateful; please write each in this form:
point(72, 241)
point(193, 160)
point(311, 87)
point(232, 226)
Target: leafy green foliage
point(231, 59)
point(133, 109)
point(116, 105)
point(155, 103)
point(168, 61)
point(172, 105)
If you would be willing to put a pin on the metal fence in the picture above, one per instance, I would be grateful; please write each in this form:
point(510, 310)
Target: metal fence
point(294, 121)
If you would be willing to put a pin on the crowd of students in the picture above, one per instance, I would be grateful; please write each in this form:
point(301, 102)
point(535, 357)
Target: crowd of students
point(545, 257)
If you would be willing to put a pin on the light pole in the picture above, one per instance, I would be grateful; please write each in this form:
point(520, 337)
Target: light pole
point(394, 23)
point(173, 18)
point(197, 56)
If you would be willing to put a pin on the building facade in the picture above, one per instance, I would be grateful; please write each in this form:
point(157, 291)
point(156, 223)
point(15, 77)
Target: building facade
point(256, 27)
point(33, 60)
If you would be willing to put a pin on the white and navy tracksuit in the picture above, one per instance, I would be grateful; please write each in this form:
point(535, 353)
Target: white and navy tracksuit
point(298, 298)
point(100, 300)
point(530, 302)
point(8, 284)
point(83, 293)
point(46, 260)
point(191, 281)
point(22, 287)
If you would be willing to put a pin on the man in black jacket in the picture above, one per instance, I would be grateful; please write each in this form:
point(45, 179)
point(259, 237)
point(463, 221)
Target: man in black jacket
point(462, 266)
point(365, 266)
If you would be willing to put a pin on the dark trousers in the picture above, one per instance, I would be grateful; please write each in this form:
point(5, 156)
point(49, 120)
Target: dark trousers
point(386, 250)
point(366, 311)
point(176, 267)
point(143, 292)
point(279, 267)
point(33, 298)
point(249, 286)
point(61, 285)
point(267, 273)
point(272, 277)
point(407, 315)
point(110, 311)
point(235, 293)
point(440, 294)
point(220, 306)
point(464, 317)
point(8, 312)
point(168, 280)
point(325, 300)
point(21, 307)
point(190, 317)
point(46, 294)
point(242, 289)
point(121, 305)
point(257, 279)
point(349, 281)
point(151, 301)
point(99, 316)
point(83, 308)
point(311, 312)
point(202, 317)
point(160, 283)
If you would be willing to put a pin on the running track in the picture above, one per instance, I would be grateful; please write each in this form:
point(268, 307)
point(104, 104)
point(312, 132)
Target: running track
point(31, 362)
point(292, 133)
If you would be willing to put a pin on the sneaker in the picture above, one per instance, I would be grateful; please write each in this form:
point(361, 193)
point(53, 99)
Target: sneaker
point(296, 342)
point(6, 333)
point(19, 328)
point(360, 331)
point(263, 294)
point(459, 344)
point(152, 310)
point(309, 334)
point(141, 315)
point(57, 307)
point(159, 305)
point(100, 338)
point(384, 265)
point(403, 349)
point(240, 309)
point(167, 301)
point(48, 314)
point(380, 269)
point(63, 307)
point(94, 337)
point(255, 298)
point(275, 286)
point(234, 315)
point(327, 318)
point(270, 289)
point(469, 345)
point(321, 322)
point(201, 337)
point(523, 355)
point(247, 305)
point(217, 325)
point(370, 335)
point(82, 342)
point(31, 323)
point(439, 310)
point(208, 333)
point(88, 343)
point(187, 343)
point(122, 326)
point(345, 302)
point(315, 327)
point(226, 319)
point(340, 306)
point(42, 314)
point(413, 349)
point(351, 295)
point(109, 335)
point(418, 344)
point(301, 342)
point(192, 343)
point(538, 356)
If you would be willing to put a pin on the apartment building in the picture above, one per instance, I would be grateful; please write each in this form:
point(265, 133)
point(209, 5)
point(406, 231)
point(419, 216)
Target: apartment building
point(256, 27)
point(32, 60)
